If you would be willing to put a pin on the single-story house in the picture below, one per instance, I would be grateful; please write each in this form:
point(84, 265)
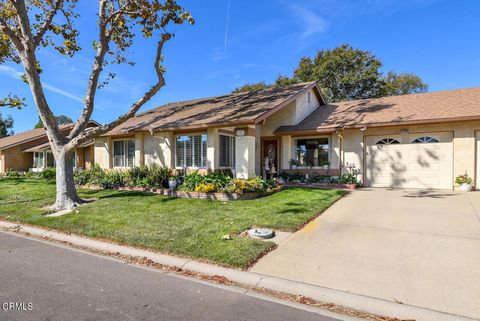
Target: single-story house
point(30, 151)
point(410, 141)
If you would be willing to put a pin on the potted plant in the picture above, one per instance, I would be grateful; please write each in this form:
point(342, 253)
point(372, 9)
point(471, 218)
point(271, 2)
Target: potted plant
point(172, 182)
point(293, 163)
point(465, 182)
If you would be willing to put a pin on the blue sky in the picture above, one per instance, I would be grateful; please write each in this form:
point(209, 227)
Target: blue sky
point(438, 40)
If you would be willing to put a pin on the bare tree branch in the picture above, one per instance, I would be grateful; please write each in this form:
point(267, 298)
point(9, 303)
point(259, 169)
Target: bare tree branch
point(86, 135)
point(4, 28)
point(102, 50)
point(29, 61)
point(47, 23)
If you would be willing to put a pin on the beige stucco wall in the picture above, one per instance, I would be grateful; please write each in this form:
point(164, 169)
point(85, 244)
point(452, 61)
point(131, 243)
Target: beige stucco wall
point(159, 149)
point(213, 143)
point(304, 108)
point(283, 117)
point(291, 114)
point(102, 152)
point(245, 156)
point(464, 143)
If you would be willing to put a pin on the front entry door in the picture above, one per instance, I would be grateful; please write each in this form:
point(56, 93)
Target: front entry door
point(270, 157)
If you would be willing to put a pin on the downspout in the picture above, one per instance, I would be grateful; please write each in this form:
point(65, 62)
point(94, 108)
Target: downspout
point(340, 153)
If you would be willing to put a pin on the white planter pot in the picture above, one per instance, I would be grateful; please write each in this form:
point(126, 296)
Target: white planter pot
point(465, 187)
point(172, 184)
point(294, 166)
point(325, 166)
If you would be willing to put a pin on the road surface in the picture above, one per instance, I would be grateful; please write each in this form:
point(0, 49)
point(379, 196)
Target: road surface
point(40, 281)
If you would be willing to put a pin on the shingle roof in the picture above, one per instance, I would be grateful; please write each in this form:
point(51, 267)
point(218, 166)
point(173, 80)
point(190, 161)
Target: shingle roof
point(232, 109)
point(441, 106)
point(32, 134)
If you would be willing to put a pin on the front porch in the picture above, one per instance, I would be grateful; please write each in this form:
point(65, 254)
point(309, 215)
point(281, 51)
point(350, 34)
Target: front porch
point(82, 157)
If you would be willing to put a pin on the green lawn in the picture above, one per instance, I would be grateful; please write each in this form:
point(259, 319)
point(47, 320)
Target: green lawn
point(185, 227)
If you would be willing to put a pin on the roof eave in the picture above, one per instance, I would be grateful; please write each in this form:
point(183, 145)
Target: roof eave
point(379, 124)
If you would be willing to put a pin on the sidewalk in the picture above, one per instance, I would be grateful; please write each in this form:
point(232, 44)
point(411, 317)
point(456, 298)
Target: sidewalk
point(246, 279)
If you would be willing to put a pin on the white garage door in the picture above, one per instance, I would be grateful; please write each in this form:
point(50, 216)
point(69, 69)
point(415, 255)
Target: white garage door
point(410, 161)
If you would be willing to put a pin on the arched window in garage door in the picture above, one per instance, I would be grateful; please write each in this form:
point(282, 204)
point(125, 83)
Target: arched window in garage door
point(425, 140)
point(387, 141)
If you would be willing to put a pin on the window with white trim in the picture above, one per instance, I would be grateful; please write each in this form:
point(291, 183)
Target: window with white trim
point(313, 151)
point(191, 151)
point(227, 151)
point(387, 141)
point(38, 160)
point(425, 140)
point(124, 153)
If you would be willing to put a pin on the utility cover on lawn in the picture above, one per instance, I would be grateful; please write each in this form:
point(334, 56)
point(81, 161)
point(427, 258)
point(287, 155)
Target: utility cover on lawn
point(261, 233)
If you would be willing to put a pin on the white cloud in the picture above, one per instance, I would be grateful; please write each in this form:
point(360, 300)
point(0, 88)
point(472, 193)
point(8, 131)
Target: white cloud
point(15, 74)
point(311, 22)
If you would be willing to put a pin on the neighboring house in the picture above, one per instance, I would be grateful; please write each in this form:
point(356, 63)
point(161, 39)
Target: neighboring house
point(30, 150)
point(411, 141)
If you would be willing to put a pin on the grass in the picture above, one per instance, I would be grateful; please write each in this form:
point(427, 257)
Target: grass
point(185, 227)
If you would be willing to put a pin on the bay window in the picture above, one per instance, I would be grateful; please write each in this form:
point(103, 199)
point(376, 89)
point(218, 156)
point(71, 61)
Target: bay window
point(227, 151)
point(312, 151)
point(191, 150)
point(124, 153)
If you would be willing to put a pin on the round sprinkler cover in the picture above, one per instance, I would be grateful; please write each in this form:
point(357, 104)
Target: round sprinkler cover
point(261, 232)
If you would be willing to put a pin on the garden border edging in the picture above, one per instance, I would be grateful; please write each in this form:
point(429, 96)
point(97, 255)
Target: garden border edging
point(249, 279)
point(218, 196)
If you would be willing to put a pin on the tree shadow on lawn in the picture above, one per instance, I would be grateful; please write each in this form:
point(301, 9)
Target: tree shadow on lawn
point(127, 194)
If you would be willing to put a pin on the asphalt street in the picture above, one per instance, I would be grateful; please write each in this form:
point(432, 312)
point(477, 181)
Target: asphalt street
point(40, 281)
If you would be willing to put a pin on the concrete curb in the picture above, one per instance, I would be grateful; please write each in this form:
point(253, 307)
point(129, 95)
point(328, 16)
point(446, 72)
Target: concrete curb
point(250, 279)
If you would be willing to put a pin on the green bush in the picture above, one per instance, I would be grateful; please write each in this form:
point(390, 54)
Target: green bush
point(192, 181)
point(241, 186)
point(113, 179)
point(348, 178)
point(12, 173)
point(93, 176)
point(49, 173)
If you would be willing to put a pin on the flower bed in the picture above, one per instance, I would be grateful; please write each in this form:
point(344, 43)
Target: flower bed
point(345, 181)
point(159, 180)
point(219, 196)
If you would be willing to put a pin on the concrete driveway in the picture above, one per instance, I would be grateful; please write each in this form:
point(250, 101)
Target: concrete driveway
point(420, 248)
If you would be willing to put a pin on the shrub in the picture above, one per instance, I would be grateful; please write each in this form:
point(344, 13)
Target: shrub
point(136, 176)
point(191, 181)
point(49, 173)
point(348, 178)
point(319, 179)
point(92, 176)
point(205, 188)
point(158, 176)
point(241, 186)
point(113, 179)
point(13, 173)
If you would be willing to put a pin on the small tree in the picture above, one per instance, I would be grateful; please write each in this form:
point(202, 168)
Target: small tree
point(6, 125)
point(61, 120)
point(403, 84)
point(27, 25)
point(251, 87)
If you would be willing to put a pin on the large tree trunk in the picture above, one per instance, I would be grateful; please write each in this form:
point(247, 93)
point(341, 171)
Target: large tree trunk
point(67, 197)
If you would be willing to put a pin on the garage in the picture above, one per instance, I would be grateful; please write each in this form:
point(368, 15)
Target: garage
point(421, 160)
